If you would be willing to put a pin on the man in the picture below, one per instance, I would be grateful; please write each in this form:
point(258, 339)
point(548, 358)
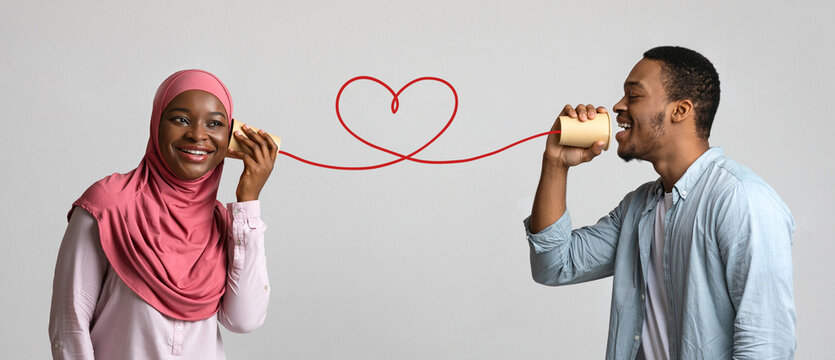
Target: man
point(701, 257)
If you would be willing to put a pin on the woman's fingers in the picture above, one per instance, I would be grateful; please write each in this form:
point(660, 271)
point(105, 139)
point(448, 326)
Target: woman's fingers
point(263, 148)
point(258, 163)
point(259, 143)
point(248, 143)
point(269, 148)
point(273, 147)
point(244, 141)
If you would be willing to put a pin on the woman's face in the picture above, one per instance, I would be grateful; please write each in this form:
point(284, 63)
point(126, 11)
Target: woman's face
point(193, 134)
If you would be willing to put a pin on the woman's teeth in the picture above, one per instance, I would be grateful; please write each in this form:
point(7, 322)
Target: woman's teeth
point(195, 152)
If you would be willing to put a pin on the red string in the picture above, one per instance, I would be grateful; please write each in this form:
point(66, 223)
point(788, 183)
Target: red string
point(395, 104)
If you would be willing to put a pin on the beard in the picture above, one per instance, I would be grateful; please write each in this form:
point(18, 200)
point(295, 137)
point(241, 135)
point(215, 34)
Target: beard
point(631, 151)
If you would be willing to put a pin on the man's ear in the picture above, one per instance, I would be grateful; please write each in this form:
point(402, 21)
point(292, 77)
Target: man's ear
point(684, 110)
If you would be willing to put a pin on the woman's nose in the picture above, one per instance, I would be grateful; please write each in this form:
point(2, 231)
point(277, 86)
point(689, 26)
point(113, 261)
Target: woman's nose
point(197, 132)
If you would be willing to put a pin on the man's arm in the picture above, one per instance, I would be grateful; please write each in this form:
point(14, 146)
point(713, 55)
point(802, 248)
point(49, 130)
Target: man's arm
point(549, 203)
point(754, 236)
point(559, 255)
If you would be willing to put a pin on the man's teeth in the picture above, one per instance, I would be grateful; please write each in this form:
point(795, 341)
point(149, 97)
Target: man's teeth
point(195, 152)
point(626, 126)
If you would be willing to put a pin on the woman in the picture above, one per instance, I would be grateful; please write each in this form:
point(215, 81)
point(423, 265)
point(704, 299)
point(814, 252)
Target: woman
point(151, 261)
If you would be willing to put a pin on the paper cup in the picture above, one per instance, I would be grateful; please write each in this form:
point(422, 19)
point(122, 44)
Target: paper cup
point(585, 134)
point(235, 145)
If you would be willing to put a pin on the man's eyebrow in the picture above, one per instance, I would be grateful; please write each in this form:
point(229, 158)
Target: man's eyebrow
point(633, 83)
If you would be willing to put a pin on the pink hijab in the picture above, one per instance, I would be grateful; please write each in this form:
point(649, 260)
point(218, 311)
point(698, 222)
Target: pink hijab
point(166, 237)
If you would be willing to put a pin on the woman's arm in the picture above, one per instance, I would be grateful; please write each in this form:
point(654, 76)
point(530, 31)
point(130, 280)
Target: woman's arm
point(79, 274)
point(244, 306)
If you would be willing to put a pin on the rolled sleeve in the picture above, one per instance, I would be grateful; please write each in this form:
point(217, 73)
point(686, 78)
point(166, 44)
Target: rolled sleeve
point(561, 255)
point(552, 236)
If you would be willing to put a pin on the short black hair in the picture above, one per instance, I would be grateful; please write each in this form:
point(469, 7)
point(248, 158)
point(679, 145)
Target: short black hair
point(686, 74)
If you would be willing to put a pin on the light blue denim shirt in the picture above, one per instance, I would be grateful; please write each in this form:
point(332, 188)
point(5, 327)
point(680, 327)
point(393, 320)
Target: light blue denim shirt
point(727, 263)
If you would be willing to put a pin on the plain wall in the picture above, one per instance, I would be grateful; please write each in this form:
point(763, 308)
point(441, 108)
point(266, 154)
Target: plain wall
point(411, 261)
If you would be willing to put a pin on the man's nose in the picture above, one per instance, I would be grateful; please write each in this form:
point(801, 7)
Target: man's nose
point(620, 106)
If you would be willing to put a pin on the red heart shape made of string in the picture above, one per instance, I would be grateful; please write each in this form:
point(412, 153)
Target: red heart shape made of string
point(395, 104)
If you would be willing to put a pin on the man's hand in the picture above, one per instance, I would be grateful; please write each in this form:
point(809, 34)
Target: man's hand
point(549, 202)
point(566, 156)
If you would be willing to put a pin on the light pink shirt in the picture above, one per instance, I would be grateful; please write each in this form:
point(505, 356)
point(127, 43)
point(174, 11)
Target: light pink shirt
point(95, 315)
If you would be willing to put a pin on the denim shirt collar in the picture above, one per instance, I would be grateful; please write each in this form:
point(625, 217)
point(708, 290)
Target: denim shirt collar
point(682, 187)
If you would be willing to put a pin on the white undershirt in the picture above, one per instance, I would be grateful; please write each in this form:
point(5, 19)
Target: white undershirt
point(654, 340)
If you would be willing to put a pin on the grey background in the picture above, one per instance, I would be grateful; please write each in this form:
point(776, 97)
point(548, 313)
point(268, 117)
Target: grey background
point(411, 261)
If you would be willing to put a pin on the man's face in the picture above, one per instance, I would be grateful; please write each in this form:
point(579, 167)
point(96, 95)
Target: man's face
point(642, 113)
point(193, 134)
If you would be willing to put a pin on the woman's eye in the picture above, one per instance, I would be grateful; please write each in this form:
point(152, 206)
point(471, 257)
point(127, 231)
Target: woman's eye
point(179, 120)
point(215, 124)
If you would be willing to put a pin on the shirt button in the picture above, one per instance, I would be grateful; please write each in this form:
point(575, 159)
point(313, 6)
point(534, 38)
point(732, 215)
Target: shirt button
point(237, 242)
point(266, 287)
point(684, 193)
point(57, 345)
point(637, 338)
point(236, 211)
point(643, 296)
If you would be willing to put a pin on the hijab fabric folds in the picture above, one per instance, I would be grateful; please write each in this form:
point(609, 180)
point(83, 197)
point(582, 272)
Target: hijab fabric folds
point(166, 237)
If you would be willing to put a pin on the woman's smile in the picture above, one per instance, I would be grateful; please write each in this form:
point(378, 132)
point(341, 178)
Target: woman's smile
point(193, 134)
point(195, 153)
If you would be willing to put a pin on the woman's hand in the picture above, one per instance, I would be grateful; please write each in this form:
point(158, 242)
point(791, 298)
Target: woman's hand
point(258, 164)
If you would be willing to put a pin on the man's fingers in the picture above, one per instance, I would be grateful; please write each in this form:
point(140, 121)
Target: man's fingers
point(581, 112)
point(590, 111)
point(568, 110)
point(593, 151)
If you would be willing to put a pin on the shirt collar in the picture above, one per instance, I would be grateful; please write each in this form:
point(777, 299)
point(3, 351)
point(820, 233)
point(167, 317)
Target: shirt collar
point(683, 186)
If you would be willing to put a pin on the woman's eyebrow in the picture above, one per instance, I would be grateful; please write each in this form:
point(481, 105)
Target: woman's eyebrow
point(187, 111)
